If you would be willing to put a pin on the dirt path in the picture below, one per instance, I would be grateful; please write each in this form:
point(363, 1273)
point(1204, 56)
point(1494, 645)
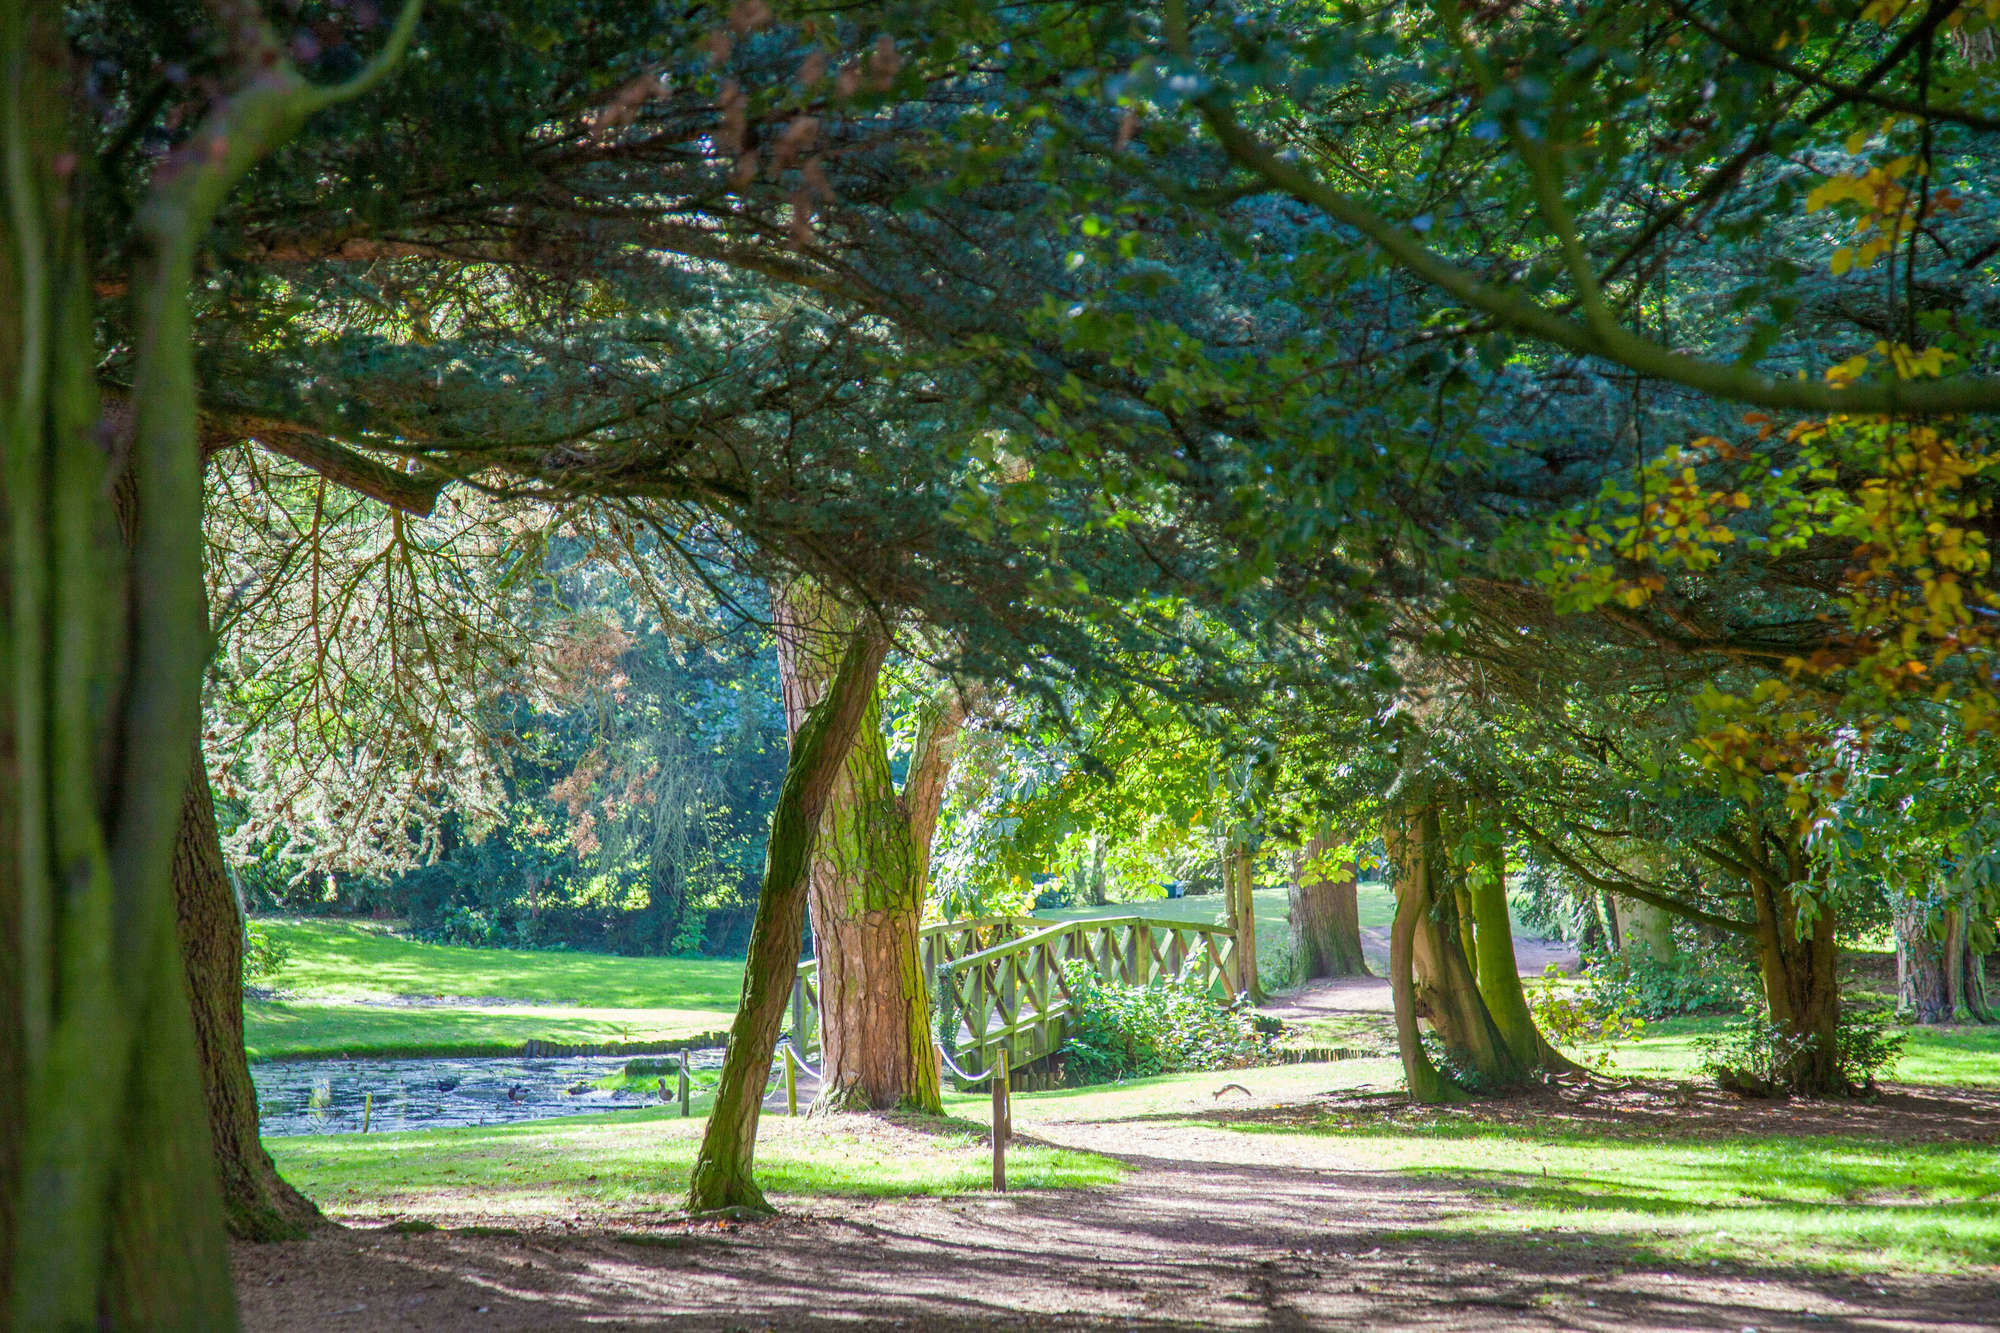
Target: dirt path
point(1370, 995)
point(1214, 1229)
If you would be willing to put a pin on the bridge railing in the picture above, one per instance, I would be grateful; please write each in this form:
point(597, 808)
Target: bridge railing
point(1014, 995)
point(937, 944)
point(997, 983)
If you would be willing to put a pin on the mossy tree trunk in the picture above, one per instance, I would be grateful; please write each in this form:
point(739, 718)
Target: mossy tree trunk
point(1325, 915)
point(1499, 977)
point(109, 1211)
point(724, 1170)
point(1410, 872)
point(1445, 982)
point(1939, 972)
point(868, 884)
point(257, 1202)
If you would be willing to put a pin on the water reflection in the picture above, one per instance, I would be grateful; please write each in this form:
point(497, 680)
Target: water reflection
point(326, 1096)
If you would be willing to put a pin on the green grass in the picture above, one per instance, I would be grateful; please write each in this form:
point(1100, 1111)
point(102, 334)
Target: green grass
point(640, 1160)
point(1175, 1095)
point(1839, 1203)
point(573, 998)
point(1950, 1057)
point(284, 1030)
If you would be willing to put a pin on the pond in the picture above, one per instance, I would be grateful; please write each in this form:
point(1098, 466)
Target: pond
point(328, 1096)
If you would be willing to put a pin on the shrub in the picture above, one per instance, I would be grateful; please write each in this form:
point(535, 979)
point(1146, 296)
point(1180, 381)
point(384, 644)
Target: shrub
point(1116, 1031)
point(1648, 987)
point(1756, 1057)
point(263, 953)
point(1571, 1019)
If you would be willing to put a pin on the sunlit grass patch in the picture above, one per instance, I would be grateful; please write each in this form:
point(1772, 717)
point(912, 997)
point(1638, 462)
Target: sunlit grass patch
point(1947, 1056)
point(640, 1160)
point(1841, 1203)
point(1181, 1094)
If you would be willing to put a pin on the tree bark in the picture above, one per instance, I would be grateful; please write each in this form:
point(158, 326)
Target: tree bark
point(1445, 985)
point(1644, 928)
point(1410, 870)
point(256, 1201)
point(724, 1170)
point(868, 885)
point(1499, 976)
point(1240, 874)
point(1796, 960)
point(1922, 989)
point(1325, 916)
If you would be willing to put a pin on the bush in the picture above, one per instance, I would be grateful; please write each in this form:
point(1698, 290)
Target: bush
point(1116, 1031)
point(1647, 987)
point(263, 953)
point(1758, 1058)
point(1572, 1019)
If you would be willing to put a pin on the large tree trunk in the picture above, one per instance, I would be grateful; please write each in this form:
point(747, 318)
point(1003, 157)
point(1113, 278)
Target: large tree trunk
point(1644, 928)
point(1924, 993)
point(1445, 988)
point(1325, 916)
point(724, 1170)
point(1499, 976)
point(257, 1202)
point(1796, 959)
point(1410, 871)
point(867, 897)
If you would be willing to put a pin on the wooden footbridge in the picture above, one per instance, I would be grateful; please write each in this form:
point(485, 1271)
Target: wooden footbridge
point(997, 982)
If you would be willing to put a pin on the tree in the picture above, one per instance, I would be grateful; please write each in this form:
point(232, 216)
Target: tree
point(869, 876)
point(1325, 910)
point(112, 1213)
point(724, 1168)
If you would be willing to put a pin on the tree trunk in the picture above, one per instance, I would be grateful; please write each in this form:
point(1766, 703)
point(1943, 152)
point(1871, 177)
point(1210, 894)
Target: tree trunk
point(256, 1201)
point(724, 1170)
point(867, 896)
point(1499, 977)
point(1922, 989)
point(1409, 867)
point(1240, 874)
point(1796, 959)
point(1644, 928)
point(1445, 983)
point(1325, 917)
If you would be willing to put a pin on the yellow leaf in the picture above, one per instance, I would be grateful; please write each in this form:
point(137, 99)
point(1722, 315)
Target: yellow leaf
point(1843, 260)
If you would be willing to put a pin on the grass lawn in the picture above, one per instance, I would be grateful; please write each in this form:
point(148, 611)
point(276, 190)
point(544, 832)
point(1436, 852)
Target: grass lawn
point(1947, 1056)
point(640, 1160)
point(1843, 1203)
point(547, 995)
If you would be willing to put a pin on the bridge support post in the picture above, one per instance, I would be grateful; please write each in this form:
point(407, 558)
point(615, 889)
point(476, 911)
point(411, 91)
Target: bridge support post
point(1003, 1121)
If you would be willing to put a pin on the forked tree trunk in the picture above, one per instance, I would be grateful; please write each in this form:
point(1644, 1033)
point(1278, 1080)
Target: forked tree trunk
point(256, 1201)
point(724, 1171)
point(1410, 870)
point(867, 896)
point(1325, 916)
point(1499, 975)
point(1444, 983)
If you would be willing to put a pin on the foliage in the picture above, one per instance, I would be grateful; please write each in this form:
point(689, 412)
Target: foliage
point(1571, 1021)
point(1634, 982)
point(264, 952)
point(1117, 1031)
point(1755, 1056)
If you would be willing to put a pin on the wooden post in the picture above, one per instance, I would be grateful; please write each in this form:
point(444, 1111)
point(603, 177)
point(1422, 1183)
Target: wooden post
point(798, 1013)
point(1001, 1127)
point(367, 1110)
point(791, 1080)
point(684, 1083)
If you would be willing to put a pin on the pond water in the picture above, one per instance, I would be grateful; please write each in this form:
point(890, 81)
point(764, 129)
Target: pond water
point(327, 1096)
